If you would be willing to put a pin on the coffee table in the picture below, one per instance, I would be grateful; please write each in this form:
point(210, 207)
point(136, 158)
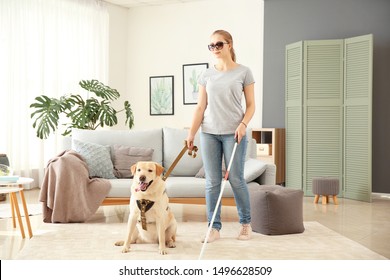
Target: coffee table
point(12, 189)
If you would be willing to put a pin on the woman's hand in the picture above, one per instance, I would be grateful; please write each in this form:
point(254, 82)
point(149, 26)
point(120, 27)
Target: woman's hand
point(190, 141)
point(240, 132)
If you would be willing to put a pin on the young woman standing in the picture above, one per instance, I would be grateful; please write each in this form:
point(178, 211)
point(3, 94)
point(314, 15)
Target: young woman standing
point(223, 121)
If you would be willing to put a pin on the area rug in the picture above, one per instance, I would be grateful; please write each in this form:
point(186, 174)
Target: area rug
point(33, 209)
point(95, 241)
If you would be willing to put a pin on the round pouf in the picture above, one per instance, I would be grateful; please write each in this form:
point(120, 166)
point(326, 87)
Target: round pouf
point(325, 187)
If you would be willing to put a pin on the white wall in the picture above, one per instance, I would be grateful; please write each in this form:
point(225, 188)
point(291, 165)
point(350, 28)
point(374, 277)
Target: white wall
point(118, 50)
point(163, 38)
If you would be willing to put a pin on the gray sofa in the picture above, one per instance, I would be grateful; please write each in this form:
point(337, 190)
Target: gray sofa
point(110, 153)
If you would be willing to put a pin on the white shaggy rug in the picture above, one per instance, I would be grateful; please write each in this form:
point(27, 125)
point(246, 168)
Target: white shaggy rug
point(95, 241)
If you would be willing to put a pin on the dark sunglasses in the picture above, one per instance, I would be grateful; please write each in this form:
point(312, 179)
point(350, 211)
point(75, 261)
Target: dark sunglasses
point(217, 46)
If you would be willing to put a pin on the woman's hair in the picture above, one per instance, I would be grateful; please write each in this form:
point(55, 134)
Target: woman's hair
point(228, 37)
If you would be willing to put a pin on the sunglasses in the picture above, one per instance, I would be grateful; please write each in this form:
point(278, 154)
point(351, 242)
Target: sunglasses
point(218, 46)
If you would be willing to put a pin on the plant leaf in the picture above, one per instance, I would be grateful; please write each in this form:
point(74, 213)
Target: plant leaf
point(100, 89)
point(107, 114)
point(84, 114)
point(129, 115)
point(47, 114)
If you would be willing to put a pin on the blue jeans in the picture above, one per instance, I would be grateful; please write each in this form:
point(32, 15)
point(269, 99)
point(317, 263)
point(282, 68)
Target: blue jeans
point(213, 148)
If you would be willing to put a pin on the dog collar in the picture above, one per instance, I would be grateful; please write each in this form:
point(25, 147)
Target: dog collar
point(144, 206)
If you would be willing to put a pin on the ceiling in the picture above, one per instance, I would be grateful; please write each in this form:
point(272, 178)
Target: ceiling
point(143, 3)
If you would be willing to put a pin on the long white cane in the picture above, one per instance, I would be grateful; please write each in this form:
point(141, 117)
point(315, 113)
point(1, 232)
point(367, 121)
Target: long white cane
point(218, 202)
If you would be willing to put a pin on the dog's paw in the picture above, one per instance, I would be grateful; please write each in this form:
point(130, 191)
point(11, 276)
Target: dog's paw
point(171, 244)
point(162, 251)
point(125, 250)
point(119, 243)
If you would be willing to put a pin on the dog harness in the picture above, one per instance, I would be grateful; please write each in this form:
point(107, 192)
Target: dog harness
point(144, 206)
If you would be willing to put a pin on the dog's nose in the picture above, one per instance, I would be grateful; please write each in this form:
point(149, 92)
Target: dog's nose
point(142, 178)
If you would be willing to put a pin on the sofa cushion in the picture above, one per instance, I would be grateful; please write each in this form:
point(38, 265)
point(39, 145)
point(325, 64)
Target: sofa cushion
point(173, 143)
point(201, 172)
point(146, 138)
point(97, 157)
point(195, 187)
point(124, 157)
point(120, 187)
point(175, 186)
point(253, 169)
point(190, 187)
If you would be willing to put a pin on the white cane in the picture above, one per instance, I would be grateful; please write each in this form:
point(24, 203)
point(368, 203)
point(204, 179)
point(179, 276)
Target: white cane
point(218, 202)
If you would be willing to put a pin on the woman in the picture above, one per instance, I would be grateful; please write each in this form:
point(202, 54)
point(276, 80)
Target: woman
point(223, 120)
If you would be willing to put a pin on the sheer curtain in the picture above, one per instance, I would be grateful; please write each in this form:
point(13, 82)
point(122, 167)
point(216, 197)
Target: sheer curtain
point(46, 47)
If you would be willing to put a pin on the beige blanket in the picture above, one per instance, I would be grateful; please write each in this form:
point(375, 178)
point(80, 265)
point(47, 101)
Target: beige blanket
point(67, 192)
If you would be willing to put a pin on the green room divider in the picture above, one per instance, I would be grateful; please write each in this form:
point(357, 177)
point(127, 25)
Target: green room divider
point(328, 114)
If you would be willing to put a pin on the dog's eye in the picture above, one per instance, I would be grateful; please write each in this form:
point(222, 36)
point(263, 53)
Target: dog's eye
point(139, 169)
point(150, 170)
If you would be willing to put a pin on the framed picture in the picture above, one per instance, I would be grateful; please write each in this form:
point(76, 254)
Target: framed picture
point(161, 95)
point(191, 73)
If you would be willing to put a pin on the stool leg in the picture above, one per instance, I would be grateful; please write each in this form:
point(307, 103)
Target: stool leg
point(335, 200)
point(16, 205)
point(316, 198)
point(11, 202)
point(324, 199)
point(26, 213)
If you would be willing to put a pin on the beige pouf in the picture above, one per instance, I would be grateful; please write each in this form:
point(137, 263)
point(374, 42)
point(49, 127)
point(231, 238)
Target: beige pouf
point(325, 187)
point(276, 210)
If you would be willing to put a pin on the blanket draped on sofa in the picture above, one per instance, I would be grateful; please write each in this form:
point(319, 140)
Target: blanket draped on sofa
point(67, 193)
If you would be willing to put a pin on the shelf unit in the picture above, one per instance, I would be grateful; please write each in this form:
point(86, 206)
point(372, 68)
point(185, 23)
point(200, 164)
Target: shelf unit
point(275, 138)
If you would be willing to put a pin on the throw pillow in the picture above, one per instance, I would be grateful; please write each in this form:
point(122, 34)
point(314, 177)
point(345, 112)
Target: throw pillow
point(124, 157)
point(97, 157)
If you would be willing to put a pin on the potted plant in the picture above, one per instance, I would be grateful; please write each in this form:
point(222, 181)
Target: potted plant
point(84, 114)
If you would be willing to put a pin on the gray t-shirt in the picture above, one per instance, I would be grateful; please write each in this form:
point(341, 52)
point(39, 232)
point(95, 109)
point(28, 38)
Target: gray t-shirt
point(224, 110)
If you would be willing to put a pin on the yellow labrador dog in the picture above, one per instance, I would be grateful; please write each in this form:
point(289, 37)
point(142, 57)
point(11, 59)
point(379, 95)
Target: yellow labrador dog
point(150, 218)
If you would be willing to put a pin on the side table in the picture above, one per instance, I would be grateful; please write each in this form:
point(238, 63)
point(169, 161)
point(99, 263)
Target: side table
point(12, 189)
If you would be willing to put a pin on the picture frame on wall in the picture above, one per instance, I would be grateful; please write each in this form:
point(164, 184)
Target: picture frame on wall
point(191, 73)
point(161, 95)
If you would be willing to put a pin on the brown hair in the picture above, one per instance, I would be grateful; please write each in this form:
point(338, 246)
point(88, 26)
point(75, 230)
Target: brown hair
point(228, 37)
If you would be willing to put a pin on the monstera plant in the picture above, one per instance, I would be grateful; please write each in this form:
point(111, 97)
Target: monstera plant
point(84, 114)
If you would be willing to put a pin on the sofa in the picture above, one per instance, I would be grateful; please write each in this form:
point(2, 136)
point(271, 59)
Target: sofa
point(110, 153)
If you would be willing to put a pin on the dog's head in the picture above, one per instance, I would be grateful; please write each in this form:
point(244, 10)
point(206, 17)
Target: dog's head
point(145, 172)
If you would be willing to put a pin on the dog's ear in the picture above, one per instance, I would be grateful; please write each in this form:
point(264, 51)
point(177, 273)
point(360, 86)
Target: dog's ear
point(159, 169)
point(133, 168)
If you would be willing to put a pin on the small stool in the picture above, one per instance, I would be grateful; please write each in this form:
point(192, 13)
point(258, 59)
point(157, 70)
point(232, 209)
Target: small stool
point(325, 186)
point(276, 210)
